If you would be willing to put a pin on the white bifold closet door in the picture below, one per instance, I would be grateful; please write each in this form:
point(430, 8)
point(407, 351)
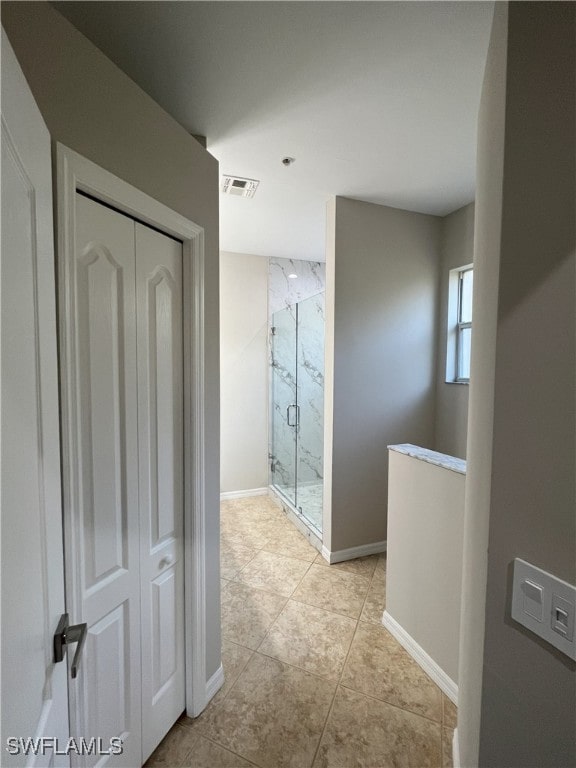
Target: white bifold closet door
point(161, 480)
point(126, 543)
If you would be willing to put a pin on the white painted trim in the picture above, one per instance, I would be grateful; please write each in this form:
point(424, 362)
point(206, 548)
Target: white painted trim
point(423, 659)
point(353, 552)
point(455, 749)
point(325, 552)
point(243, 494)
point(75, 172)
point(214, 684)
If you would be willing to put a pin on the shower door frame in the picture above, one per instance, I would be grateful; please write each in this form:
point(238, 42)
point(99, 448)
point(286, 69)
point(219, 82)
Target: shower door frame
point(292, 504)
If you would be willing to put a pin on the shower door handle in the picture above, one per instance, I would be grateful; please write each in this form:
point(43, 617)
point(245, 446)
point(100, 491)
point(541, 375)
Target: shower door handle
point(288, 416)
point(297, 419)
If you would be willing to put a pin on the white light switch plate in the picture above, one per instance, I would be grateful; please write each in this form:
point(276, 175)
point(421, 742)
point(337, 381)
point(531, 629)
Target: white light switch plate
point(545, 605)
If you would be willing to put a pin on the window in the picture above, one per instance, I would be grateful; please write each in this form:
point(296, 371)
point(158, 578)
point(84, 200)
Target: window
point(464, 324)
point(459, 325)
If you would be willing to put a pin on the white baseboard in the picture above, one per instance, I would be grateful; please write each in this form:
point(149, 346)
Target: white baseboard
point(214, 684)
point(455, 749)
point(353, 552)
point(243, 494)
point(420, 656)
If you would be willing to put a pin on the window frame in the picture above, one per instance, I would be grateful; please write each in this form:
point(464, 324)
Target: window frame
point(461, 326)
point(454, 324)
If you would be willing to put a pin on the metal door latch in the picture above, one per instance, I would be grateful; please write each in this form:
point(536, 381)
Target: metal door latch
point(66, 635)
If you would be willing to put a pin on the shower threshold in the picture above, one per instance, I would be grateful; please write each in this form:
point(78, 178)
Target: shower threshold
point(297, 518)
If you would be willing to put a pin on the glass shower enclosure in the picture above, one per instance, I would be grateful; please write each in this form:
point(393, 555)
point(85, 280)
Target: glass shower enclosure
point(297, 407)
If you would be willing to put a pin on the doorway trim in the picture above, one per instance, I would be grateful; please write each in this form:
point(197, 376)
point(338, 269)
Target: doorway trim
point(76, 173)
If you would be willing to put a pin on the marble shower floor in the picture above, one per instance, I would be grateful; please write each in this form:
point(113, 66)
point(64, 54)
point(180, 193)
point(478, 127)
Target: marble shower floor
point(308, 500)
point(312, 677)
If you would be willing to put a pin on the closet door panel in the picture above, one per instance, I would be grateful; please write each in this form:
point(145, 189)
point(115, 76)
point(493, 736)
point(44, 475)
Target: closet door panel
point(160, 434)
point(103, 539)
point(101, 324)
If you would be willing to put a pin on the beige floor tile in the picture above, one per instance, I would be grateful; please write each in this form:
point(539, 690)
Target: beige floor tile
point(293, 544)
point(378, 666)
point(364, 733)
point(375, 600)
point(233, 557)
point(173, 750)
point(381, 565)
point(273, 715)
point(274, 702)
point(310, 638)
point(248, 534)
point(194, 725)
point(244, 523)
point(234, 659)
point(280, 527)
point(252, 523)
point(247, 613)
point(206, 754)
point(449, 713)
point(447, 736)
point(251, 507)
point(274, 573)
point(333, 590)
point(361, 566)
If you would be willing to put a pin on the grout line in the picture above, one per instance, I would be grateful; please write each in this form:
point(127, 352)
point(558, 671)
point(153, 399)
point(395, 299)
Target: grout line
point(335, 693)
point(391, 704)
point(236, 754)
point(282, 609)
point(294, 666)
point(339, 682)
point(256, 589)
point(330, 611)
point(212, 740)
point(330, 708)
point(312, 605)
point(366, 597)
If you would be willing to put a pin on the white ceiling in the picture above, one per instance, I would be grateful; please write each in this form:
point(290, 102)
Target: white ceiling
point(375, 100)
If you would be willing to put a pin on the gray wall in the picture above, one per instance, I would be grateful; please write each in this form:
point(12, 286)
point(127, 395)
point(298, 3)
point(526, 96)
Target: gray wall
point(529, 707)
point(92, 107)
point(385, 265)
point(452, 399)
point(518, 698)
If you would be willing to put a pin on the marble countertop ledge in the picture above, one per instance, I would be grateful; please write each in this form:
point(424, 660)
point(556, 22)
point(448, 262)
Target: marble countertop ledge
point(432, 457)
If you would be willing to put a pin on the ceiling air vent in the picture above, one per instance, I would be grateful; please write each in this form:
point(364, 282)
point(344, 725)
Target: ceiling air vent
point(236, 185)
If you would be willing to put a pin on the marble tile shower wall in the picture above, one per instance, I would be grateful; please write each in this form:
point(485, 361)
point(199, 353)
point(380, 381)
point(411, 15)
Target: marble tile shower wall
point(283, 392)
point(297, 360)
point(284, 291)
point(311, 390)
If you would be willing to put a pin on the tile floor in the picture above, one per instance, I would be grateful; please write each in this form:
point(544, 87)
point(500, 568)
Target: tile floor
point(312, 677)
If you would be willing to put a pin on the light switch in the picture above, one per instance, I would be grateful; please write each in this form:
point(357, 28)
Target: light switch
point(545, 605)
point(533, 597)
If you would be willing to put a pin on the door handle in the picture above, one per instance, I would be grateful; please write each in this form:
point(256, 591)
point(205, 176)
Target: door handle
point(166, 561)
point(66, 635)
point(288, 415)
